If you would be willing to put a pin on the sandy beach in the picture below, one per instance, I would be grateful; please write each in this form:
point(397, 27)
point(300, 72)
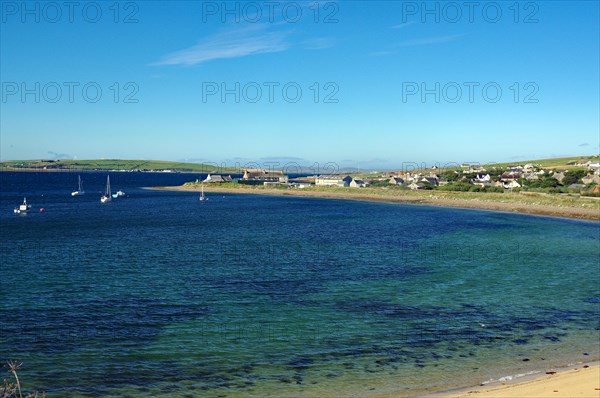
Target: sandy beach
point(588, 210)
point(581, 381)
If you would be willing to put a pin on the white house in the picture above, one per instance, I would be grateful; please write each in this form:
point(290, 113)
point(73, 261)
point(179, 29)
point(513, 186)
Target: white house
point(594, 166)
point(512, 184)
point(332, 181)
point(429, 180)
point(357, 183)
point(482, 178)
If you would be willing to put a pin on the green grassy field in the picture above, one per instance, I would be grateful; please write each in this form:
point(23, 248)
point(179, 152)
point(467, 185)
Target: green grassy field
point(554, 163)
point(562, 163)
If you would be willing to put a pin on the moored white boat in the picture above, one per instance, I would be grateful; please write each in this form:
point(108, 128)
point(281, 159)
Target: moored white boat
point(24, 208)
point(80, 190)
point(202, 197)
point(107, 196)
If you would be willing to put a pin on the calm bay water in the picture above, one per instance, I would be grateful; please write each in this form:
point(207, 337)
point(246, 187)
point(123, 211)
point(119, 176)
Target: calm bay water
point(157, 294)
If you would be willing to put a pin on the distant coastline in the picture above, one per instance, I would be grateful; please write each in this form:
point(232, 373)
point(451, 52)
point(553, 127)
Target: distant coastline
point(114, 166)
point(512, 203)
point(25, 170)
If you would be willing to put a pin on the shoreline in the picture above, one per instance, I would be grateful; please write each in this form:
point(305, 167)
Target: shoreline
point(578, 380)
point(433, 199)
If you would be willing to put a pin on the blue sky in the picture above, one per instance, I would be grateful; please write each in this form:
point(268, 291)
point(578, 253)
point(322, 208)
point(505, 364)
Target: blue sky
point(162, 68)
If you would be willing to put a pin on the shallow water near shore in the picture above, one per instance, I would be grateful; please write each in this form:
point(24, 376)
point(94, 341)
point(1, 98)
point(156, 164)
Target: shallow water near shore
point(247, 295)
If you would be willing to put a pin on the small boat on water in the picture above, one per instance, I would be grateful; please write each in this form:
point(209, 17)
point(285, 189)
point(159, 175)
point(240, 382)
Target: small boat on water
point(24, 208)
point(80, 190)
point(107, 196)
point(202, 197)
point(118, 194)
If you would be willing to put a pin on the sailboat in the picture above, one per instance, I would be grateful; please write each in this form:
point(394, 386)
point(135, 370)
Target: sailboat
point(24, 208)
point(202, 197)
point(80, 190)
point(106, 197)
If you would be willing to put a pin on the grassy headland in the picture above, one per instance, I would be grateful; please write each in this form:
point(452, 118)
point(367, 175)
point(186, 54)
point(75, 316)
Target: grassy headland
point(113, 165)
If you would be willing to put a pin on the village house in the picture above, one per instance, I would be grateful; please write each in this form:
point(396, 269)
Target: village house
point(482, 178)
point(531, 177)
point(217, 179)
point(472, 170)
point(264, 175)
point(396, 181)
point(430, 180)
point(516, 169)
point(594, 166)
point(333, 181)
point(356, 183)
point(510, 175)
point(512, 184)
point(416, 185)
point(489, 184)
point(591, 179)
point(559, 176)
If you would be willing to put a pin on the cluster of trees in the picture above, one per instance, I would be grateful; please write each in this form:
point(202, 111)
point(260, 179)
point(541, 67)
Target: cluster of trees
point(464, 186)
point(547, 182)
point(380, 183)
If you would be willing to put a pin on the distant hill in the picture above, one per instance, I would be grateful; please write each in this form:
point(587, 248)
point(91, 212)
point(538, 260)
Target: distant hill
point(553, 163)
point(182, 167)
point(114, 165)
point(574, 162)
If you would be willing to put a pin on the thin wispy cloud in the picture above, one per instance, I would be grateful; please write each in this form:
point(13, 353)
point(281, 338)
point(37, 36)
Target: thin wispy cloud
point(403, 25)
point(382, 53)
point(319, 43)
point(584, 144)
point(417, 42)
point(430, 40)
point(232, 43)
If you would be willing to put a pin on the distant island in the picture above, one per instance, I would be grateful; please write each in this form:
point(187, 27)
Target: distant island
point(113, 165)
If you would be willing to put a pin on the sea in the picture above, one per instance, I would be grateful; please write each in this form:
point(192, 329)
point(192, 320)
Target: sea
point(159, 294)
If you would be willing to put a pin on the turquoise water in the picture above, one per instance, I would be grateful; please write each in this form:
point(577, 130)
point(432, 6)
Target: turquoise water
point(157, 294)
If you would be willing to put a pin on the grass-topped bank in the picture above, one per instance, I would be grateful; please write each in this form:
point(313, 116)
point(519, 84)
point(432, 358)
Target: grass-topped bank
point(558, 205)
